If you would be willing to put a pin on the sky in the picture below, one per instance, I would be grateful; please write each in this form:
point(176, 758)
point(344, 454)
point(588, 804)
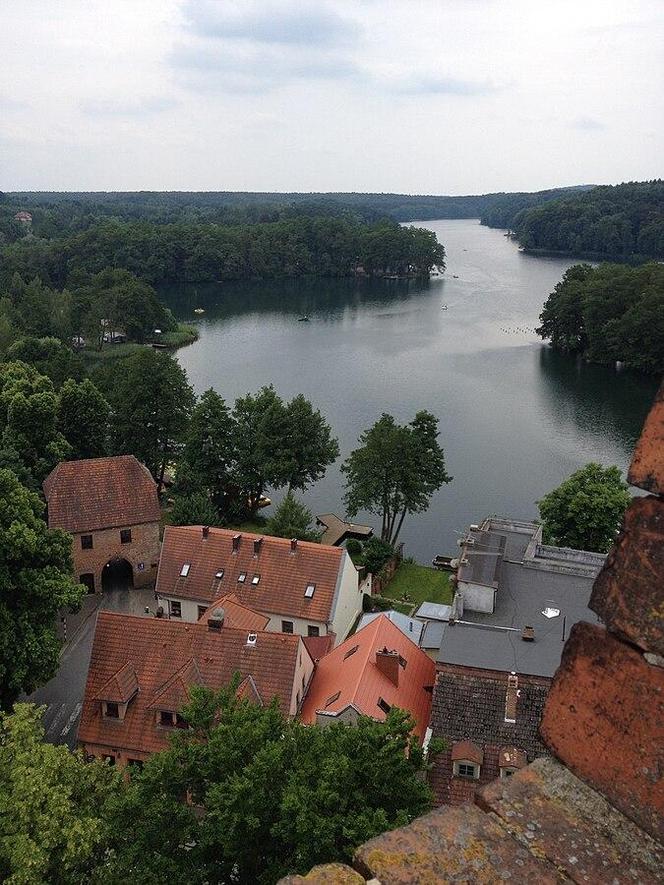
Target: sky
point(408, 96)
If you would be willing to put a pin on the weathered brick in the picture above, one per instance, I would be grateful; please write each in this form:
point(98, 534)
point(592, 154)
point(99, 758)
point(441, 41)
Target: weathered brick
point(647, 467)
point(629, 591)
point(559, 817)
point(604, 718)
point(326, 874)
point(451, 845)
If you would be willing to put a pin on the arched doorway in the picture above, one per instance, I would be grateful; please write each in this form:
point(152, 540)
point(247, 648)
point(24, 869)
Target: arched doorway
point(117, 574)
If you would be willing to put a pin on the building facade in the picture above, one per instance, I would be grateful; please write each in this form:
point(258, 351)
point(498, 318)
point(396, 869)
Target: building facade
point(111, 509)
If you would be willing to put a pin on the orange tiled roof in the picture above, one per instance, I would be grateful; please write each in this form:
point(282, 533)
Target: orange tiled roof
point(167, 657)
point(345, 677)
point(236, 614)
point(319, 646)
point(283, 574)
point(100, 493)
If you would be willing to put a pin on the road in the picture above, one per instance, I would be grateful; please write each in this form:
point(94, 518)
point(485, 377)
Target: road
point(63, 695)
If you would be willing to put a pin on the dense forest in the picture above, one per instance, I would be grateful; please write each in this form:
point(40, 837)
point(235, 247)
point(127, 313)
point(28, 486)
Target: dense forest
point(609, 313)
point(204, 252)
point(59, 214)
point(624, 222)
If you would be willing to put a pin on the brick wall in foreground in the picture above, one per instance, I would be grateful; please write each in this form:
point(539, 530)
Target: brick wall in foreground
point(596, 813)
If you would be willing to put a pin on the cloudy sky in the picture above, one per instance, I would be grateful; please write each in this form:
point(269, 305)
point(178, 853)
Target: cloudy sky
point(415, 96)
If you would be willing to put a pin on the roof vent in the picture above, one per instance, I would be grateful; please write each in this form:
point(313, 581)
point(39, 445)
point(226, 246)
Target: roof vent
point(236, 542)
point(251, 639)
point(216, 620)
point(258, 543)
point(474, 528)
point(206, 531)
point(550, 612)
point(470, 542)
point(528, 634)
point(293, 545)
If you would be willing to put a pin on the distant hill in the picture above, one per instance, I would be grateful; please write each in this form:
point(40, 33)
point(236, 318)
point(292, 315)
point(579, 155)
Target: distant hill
point(624, 222)
point(72, 211)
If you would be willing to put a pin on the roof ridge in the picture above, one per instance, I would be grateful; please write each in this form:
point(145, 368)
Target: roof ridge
point(271, 539)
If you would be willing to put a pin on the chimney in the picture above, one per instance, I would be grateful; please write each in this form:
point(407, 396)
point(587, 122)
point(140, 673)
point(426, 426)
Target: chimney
point(511, 697)
point(236, 543)
point(528, 634)
point(257, 545)
point(206, 531)
point(293, 545)
point(388, 664)
point(216, 620)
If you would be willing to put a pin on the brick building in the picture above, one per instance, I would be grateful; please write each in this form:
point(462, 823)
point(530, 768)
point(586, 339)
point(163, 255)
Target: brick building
point(110, 507)
point(141, 670)
point(515, 604)
point(303, 588)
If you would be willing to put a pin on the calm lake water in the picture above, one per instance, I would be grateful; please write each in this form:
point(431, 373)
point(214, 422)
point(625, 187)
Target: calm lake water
point(515, 418)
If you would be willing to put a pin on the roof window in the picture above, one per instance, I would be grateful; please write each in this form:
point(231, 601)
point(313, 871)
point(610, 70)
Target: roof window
point(403, 663)
point(384, 706)
point(309, 592)
point(255, 580)
point(242, 577)
point(220, 574)
point(184, 571)
point(351, 651)
point(332, 699)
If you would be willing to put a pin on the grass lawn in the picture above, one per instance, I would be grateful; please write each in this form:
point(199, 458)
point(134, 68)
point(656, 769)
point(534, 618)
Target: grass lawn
point(420, 584)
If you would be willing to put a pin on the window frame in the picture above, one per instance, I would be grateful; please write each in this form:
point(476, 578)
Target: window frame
point(467, 764)
point(171, 612)
point(287, 624)
point(383, 705)
point(114, 706)
point(313, 631)
point(87, 543)
point(125, 536)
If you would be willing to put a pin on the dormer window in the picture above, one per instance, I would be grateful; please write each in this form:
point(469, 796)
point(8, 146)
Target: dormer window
point(467, 760)
point(168, 719)
point(111, 710)
point(242, 577)
point(255, 579)
point(184, 571)
point(309, 592)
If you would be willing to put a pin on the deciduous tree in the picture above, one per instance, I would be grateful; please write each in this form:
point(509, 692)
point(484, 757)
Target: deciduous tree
point(292, 519)
point(585, 511)
point(83, 418)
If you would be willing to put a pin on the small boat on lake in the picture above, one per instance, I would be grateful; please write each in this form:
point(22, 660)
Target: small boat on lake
point(444, 307)
point(199, 310)
point(455, 276)
point(303, 319)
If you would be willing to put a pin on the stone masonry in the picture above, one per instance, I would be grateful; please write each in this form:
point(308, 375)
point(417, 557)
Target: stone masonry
point(142, 553)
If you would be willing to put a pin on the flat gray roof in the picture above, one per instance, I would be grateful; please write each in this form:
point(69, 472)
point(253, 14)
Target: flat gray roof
point(432, 635)
point(433, 611)
point(530, 582)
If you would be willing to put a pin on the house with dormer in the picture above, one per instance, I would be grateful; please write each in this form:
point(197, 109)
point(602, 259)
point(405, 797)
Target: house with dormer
point(142, 671)
point(302, 588)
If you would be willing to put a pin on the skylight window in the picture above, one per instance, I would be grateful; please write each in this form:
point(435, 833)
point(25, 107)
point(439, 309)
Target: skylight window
point(255, 579)
point(384, 706)
point(351, 651)
point(242, 577)
point(332, 699)
point(184, 571)
point(309, 592)
point(220, 574)
point(550, 612)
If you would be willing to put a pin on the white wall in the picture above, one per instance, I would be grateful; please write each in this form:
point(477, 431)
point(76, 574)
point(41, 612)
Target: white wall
point(477, 597)
point(348, 603)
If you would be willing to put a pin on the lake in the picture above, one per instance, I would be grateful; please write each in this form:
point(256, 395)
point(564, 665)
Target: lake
point(515, 418)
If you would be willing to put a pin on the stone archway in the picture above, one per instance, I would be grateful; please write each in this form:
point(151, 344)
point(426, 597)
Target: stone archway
point(117, 574)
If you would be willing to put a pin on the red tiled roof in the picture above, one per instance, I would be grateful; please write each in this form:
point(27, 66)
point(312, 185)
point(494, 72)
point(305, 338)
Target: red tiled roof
point(319, 646)
point(122, 686)
point(100, 493)
point(345, 677)
point(467, 750)
point(167, 657)
point(236, 614)
point(284, 575)
point(512, 757)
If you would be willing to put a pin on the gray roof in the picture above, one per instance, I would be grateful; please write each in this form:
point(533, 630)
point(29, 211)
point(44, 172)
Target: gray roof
point(408, 626)
point(432, 634)
point(433, 611)
point(525, 589)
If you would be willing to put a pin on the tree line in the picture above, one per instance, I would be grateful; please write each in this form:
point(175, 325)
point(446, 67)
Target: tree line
point(200, 252)
point(609, 313)
point(623, 222)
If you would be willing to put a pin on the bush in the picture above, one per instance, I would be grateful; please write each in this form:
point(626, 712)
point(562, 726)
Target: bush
point(373, 603)
point(376, 554)
point(353, 548)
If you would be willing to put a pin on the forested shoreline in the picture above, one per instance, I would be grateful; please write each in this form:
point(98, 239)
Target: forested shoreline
point(611, 313)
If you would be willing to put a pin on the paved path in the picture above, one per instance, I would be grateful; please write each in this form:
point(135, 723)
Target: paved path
point(63, 695)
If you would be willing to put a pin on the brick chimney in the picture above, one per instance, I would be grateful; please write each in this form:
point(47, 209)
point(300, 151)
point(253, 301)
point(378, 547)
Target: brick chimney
point(388, 664)
point(511, 696)
point(216, 620)
point(293, 545)
point(258, 543)
point(206, 531)
point(236, 543)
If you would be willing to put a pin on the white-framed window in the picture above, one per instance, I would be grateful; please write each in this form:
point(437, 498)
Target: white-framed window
point(464, 768)
point(507, 772)
point(174, 608)
point(184, 571)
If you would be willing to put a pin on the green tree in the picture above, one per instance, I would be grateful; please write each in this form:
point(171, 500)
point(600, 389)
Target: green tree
point(83, 419)
point(277, 796)
point(52, 805)
point(292, 519)
point(209, 447)
point(194, 509)
point(28, 418)
point(584, 512)
point(151, 401)
point(35, 583)
point(375, 553)
point(395, 471)
point(311, 448)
